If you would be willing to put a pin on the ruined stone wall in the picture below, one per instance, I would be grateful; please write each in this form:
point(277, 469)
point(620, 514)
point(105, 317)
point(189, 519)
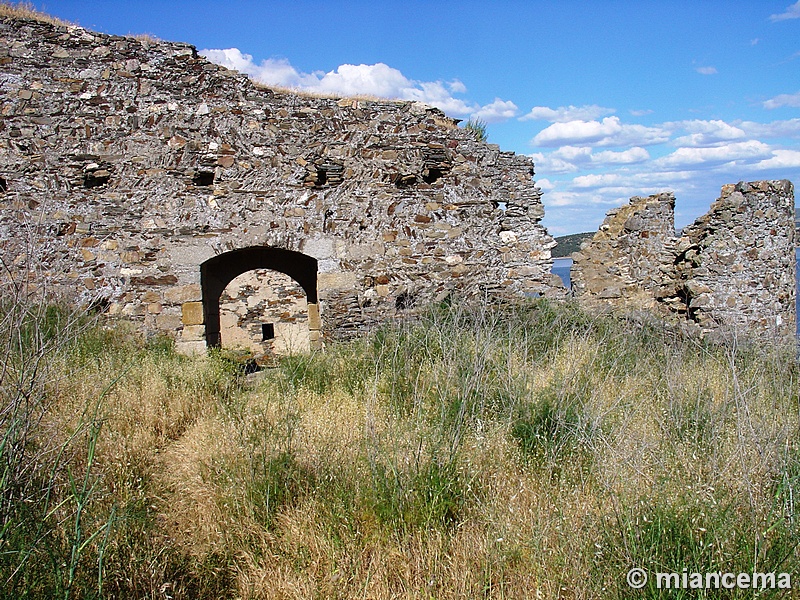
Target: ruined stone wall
point(620, 265)
point(730, 272)
point(127, 163)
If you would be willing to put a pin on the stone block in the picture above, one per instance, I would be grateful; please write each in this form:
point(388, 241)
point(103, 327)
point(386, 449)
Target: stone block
point(336, 281)
point(193, 333)
point(168, 322)
point(192, 313)
point(190, 348)
point(314, 322)
point(183, 293)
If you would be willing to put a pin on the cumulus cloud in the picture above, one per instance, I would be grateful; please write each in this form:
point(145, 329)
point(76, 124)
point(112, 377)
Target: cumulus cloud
point(563, 114)
point(791, 12)
point(499, 110)
point(566, 199)
point(781, 159)
point(792, 100)
point(347, 80)
point(707, 133)
point(706, 70)
point(608, 132)
point(550, 164)
point(457, 87)
point(775, 129)
point(749, 151)
point(596, 181)
point(271, 71)
point(630, 156)
point(574, 154)
point(545, 185)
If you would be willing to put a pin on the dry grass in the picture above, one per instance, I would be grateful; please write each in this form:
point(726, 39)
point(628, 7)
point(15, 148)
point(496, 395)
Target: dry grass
point(534, 453)
point(26, 10)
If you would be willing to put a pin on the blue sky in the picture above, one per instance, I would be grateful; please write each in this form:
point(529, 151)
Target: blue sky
point(610, 98)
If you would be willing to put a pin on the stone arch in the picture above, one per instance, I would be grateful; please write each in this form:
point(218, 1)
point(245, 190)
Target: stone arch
point(217, 272)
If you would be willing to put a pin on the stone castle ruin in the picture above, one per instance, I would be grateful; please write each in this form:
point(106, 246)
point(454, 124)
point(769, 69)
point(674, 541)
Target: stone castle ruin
point(186, 198)
point(138, 176)
point(732, 269)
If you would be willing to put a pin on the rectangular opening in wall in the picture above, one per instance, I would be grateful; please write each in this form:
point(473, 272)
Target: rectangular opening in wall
point(267, 332)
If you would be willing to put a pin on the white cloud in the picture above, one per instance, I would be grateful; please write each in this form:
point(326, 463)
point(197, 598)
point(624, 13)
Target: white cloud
point(633, 155)
point(563, 114)
point(608, 132)
point(347, 80)
point(499, 110)
point(707, 133)
point(566, 199)
point(791, 12)
point(457, 87)
point(781, 159)
point(272, 71)
point(563, 133)
point(545, 185)
point(706, 70)
point(429, 92)
point(547, 163)
point(775, 129)
point(593, 180)
point(640, 113)
point(748, 152)
point(574, 154)
point(792, 100)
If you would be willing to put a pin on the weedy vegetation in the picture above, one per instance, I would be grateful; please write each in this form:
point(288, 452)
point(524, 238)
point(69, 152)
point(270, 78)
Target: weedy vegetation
point(477, 127)
point(527, 451)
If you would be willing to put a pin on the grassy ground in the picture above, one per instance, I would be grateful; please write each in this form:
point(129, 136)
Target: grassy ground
point(515, 452)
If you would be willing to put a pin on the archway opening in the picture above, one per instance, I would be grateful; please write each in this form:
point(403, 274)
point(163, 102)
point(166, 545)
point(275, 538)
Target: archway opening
point(266, 313)
point(217, 272)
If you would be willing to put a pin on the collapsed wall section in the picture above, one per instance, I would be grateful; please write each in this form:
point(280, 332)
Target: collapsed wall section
point(734, 267)
point(127, 163)
point(730, 272)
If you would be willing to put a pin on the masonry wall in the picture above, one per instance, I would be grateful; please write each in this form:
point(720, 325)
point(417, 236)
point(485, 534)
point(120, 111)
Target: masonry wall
point(620, 267)
point(730, 272)
point(127, 163)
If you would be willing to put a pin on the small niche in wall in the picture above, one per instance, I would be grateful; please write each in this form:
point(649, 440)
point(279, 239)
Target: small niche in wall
point(267, 332)
point(203, 178)
point(96, 178)
point(432, 175)
point(404, 301)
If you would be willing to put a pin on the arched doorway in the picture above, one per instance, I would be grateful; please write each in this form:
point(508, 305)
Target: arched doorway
point(265, 312)
point(217, 272)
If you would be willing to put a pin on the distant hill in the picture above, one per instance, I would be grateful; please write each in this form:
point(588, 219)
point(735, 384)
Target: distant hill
point(567, 244)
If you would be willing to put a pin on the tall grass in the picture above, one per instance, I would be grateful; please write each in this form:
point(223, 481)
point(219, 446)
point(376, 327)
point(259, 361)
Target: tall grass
point(501, 452)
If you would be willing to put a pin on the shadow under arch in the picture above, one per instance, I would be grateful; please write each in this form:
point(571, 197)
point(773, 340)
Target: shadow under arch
point(217, 272)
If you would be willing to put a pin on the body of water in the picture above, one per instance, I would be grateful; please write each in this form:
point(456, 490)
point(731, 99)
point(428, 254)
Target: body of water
point(561, 267)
